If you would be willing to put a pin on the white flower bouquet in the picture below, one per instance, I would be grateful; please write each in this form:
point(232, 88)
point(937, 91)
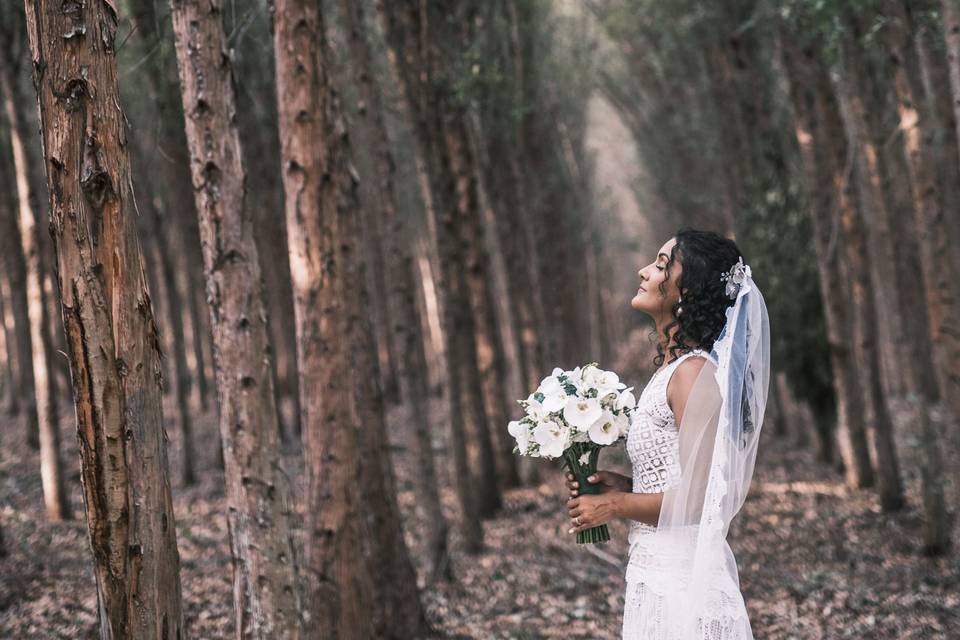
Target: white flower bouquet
point(574, 414)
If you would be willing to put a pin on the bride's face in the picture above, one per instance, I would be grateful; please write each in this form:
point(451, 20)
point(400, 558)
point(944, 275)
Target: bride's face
point(649, 298)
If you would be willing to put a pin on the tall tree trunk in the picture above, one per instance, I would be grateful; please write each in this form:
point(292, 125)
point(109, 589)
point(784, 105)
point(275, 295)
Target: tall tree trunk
point(7, 381)
point(414, 34)
point(16, 278)
point(111, 336)
point(200, 337)
point(861, 126)
point(876, 230)
point(936, 83)
point(266, 594)
point(165, 182)
point(12, 400)
point(501, 328)
point(918, 125)
point(175, 313)
point(355, 592)
point(814, 109)
point(45, 385)
point(950, 10)
point(485, 350)
point(406, 339)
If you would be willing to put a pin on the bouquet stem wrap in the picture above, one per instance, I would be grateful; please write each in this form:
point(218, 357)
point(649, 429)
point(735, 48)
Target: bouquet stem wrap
point(581, 471)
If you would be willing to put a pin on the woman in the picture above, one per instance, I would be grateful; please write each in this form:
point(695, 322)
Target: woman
point(692, 443)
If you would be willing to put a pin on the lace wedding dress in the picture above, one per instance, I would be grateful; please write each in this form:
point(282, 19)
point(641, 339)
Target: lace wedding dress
point(653, 448)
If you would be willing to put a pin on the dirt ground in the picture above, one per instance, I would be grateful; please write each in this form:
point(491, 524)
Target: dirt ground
point(816, 560)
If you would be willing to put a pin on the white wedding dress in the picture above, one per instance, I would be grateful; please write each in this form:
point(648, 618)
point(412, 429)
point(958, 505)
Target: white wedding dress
point(653, 447)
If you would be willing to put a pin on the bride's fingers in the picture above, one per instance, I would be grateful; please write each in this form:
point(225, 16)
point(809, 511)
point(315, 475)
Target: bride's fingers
point(577, 529)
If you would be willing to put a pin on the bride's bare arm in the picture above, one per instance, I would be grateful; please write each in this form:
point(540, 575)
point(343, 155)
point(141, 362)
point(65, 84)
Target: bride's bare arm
point(594, 510)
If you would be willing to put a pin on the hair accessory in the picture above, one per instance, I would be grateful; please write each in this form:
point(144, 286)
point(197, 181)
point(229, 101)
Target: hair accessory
point(735, 277)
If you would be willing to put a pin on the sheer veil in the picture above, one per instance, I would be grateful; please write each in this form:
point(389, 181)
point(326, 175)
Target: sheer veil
point(691, 563)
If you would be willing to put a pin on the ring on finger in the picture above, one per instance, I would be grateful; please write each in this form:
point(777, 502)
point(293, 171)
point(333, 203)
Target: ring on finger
point(577, 520)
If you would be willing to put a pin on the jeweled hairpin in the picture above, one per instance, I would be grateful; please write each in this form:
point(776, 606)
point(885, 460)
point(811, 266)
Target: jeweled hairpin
point(734, 278)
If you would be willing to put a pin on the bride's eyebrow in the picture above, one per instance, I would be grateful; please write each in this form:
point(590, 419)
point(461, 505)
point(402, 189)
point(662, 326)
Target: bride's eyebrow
point(664, 255)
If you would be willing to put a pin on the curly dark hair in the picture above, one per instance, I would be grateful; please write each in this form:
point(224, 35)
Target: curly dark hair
point(704, 255)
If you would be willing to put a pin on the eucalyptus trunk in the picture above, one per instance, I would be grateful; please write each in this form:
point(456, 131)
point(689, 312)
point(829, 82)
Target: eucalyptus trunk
point(55, 496)
point(815, 112)
point(406, 339)
point(266, 592)
point(112, 341)
point(421, 38)
point(361, 579)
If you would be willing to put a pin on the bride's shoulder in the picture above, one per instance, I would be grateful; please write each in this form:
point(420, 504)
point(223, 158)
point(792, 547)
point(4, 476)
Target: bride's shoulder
point(696, 363)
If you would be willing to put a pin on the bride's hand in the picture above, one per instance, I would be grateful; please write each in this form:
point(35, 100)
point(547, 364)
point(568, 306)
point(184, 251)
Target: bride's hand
point(592, 510)
point(607, 480)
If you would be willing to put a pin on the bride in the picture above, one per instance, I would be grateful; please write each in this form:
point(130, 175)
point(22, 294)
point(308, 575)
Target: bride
point(692, 443)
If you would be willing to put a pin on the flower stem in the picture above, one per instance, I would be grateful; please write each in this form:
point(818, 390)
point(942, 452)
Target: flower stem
point(580, 471)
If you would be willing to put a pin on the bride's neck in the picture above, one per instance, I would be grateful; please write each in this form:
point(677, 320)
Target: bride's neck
point(666, 342)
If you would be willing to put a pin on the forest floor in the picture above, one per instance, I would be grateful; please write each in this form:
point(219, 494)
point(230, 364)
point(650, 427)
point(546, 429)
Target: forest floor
point(817, 560)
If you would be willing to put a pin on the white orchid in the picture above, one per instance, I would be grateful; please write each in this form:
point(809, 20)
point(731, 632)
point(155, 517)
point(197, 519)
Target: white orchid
point(552, 437)
point(581, 413)
point(626, 400)
point(554, 395)
point(535, 408)
point(605, 430)
point(623, 424)
point(521, 433)
point(584, 406)
point(575, 378)
point(585, 458)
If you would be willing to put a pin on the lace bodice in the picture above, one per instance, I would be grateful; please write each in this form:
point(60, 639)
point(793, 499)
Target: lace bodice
point(654, 449)
point(652, 441)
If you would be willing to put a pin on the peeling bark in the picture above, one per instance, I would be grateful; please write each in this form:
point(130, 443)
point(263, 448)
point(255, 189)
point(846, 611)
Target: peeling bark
point(111, 337)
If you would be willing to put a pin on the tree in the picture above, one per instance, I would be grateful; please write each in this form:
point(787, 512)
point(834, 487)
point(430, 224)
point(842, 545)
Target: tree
point(112, 340)
point(422, 39)
point(405, 338)
point(23, 399)
point(166, 183)
point(359, 571)
point(822, 153)
point(51, 467)
point(267, 602)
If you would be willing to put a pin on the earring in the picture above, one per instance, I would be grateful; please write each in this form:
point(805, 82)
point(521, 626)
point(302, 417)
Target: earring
point(678, 305)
